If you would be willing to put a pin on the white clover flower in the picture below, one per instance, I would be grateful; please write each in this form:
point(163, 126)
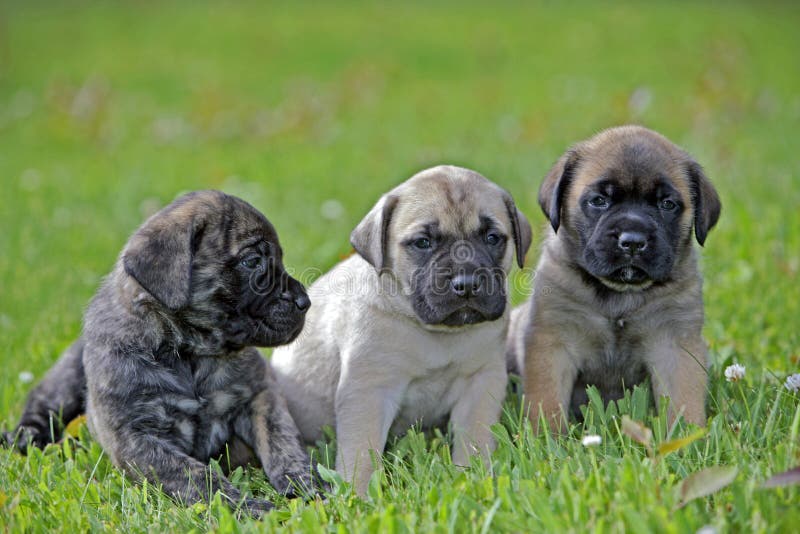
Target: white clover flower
point(331, 209)
point(793, 383)
point(591, 440)
point(734, 373)
point(26, 377)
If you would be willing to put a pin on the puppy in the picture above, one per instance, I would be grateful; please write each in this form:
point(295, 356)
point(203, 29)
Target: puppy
point(617, 293)
point(166, 367)
point(411, 329)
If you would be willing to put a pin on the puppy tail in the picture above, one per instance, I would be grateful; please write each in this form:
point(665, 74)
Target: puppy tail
point(54, 402)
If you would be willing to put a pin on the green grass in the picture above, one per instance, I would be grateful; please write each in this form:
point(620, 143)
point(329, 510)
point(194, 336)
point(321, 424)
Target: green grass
point(109, 110)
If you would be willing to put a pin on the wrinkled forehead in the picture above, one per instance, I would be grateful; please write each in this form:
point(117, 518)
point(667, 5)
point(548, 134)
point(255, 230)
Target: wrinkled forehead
point(638, 166)
point(456, 205)
point(232, 224)
point(246, 226)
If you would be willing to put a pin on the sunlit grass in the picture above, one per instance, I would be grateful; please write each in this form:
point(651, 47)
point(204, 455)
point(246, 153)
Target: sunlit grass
point(109, 110)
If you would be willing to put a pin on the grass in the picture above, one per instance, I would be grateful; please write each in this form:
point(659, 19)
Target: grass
point(109, 110)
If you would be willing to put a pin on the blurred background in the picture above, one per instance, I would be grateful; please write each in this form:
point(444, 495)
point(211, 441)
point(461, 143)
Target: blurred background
point(310, 111)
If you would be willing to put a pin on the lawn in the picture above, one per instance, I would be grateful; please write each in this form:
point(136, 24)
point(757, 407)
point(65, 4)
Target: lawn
point(310, 112)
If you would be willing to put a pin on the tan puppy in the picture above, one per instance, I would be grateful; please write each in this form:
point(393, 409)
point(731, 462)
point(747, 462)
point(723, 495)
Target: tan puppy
point(617, 293)
point(412, 329)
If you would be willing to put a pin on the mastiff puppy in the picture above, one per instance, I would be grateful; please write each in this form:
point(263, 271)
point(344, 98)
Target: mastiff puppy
point(617, 293)
point(412, 329)
point(166, 367)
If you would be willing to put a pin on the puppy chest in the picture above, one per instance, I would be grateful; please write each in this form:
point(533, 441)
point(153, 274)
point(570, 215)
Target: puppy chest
point(428, 401)
point(203, 417)
point(613, 360)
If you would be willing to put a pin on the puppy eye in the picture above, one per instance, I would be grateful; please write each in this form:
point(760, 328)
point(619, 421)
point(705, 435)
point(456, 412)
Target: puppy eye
point(492, 238)
point(598, 201)
point(422, 243)
point(251, 262)
point(667, 205)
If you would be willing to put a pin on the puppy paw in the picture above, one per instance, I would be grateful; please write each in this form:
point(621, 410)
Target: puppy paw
point(298, 484)
point(23, 437)
point(256, 508)
point(7, 438)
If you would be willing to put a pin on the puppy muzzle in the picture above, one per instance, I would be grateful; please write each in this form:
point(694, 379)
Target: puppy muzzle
point(465, 297)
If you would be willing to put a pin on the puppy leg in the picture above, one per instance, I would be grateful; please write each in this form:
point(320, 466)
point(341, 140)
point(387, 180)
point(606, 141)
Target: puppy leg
point(363, 419)
point(59, 398)
point(678, 370)
point(476, 411)
point(182, 477)
point(549, 375)
point(270, 430)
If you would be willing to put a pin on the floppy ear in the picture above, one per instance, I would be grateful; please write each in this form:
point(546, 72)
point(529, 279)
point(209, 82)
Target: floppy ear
point(520, 227)
point(371, 237)
point(555, 185)
point(159, 256)
point(707, 205)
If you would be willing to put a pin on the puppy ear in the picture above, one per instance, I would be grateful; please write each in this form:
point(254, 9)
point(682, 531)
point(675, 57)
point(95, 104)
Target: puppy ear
point(371, 237)
point(555, 185)
point(159, 256)
point(705, 199)
point(520, 227)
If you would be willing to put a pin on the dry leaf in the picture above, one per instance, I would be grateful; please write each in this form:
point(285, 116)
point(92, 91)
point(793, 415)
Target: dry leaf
point(74, 427)
point(787, 478)
point(637, 431)
point(706, 482)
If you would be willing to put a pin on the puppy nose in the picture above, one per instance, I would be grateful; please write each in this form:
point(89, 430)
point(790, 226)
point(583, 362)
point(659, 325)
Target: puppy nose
point(465, 285)
point(300, 300)
point(632, 242)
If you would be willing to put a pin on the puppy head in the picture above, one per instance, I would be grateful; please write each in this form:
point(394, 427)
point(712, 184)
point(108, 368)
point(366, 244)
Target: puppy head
point(448, 236)
point(214, 264)
point(624, 204)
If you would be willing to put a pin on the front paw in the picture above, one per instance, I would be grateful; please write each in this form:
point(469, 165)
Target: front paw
point(299, 484)
point(24, 436)
point(256, 508)
point(8, 438)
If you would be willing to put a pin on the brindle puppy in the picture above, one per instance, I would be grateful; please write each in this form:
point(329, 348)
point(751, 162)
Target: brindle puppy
point(166, 362)
point(617, 293)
